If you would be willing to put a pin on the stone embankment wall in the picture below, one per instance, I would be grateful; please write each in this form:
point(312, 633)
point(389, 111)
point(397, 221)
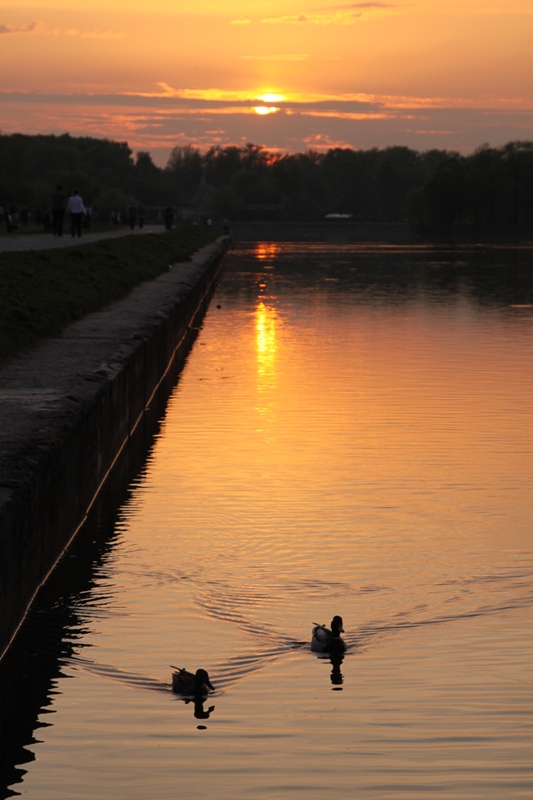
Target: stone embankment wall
point(69, 408)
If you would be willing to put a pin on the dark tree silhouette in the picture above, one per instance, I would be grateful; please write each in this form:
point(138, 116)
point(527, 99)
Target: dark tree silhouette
point(437, 192)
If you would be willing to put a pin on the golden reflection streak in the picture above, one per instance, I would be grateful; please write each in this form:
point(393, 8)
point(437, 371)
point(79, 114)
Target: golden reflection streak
point(266, 250)
point(266, 320)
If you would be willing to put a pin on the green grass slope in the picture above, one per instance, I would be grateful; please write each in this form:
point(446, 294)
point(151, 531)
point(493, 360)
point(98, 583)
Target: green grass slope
point(43, 291)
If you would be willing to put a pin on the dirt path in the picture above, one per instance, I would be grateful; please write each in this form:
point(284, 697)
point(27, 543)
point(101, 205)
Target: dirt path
point(16, 242)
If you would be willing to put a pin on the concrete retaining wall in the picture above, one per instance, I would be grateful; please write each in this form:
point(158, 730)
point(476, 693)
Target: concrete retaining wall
point(69, 407)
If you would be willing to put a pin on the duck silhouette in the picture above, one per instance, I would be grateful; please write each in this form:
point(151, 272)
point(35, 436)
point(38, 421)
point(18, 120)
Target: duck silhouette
point(328, 640)
point(189, 685)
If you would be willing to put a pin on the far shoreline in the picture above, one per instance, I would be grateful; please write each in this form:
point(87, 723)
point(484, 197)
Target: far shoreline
point(357, 231)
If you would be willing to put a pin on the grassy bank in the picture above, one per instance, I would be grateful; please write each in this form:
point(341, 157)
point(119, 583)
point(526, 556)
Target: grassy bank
point(42, 291)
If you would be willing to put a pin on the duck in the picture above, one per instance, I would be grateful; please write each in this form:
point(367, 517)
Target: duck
point(326, 640)
point(185, 683)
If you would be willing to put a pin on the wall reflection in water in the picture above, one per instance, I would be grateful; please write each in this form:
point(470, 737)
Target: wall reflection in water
point(56, 624)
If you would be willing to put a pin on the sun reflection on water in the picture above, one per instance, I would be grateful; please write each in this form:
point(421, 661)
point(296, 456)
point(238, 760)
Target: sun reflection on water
point(266, 250)
point(266, 321)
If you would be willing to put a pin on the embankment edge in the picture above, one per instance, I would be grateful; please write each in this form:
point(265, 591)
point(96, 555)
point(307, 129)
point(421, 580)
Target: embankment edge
point(69, 408)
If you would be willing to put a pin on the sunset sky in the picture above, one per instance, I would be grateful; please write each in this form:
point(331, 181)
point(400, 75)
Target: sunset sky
point(289, 75)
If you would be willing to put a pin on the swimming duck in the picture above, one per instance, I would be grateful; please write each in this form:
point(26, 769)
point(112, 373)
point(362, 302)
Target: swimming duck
point(185, 683)
point(325, 640)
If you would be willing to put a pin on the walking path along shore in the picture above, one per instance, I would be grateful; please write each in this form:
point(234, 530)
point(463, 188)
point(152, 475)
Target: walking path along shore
point(19, 242)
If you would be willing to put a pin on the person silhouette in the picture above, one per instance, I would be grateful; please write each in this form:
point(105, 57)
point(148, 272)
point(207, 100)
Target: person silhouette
point(77, 210)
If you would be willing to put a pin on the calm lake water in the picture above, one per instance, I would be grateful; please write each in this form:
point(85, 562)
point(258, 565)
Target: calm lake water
point(352, 434)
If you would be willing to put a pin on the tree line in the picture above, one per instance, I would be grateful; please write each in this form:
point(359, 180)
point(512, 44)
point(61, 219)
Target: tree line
point(435, 191)
point(104, 172)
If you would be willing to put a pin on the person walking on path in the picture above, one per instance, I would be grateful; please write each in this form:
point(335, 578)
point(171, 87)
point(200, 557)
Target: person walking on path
point(77, 210)
point(169, 217)
point(59, 201)
point(132, 215)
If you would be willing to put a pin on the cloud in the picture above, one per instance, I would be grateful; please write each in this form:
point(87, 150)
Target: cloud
point(94, 34)
point(279, 57)
point(289, 19)
point(431, 132)
point(337, 15)
point(344, 14)
point(29, 27)
point(360, 6)
point(210, 95)
point(166, 117)
point(43, 29)
point(347, 115)
point(340, 103)
point(321, 142)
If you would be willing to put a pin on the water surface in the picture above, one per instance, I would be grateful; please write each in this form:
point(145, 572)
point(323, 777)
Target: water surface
point(352, 434)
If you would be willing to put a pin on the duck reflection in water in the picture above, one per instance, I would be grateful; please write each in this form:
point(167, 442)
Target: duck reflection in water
point(336, 676)
point(199, 711)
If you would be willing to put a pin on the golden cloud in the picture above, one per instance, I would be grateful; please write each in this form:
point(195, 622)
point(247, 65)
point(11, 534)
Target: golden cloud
point(378, 101)
point(95, 34)
point(221, 95)
point(359, 115)
point(340, 15)
point(360, 7)
point(341, 105)
point(279, 57)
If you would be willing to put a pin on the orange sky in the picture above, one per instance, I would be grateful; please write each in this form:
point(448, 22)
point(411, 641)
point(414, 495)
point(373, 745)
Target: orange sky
point(424, 74)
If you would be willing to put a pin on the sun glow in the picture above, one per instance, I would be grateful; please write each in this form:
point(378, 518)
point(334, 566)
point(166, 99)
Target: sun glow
point(362, 74)
point(271, 97)
point(264, 110)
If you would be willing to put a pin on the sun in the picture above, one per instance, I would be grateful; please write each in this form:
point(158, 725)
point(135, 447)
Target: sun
point(264, 110)
point(267, 98)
